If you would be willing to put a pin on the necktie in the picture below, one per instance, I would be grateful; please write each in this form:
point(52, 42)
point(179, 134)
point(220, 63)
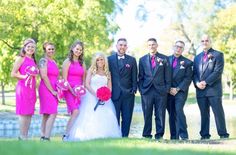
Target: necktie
point(153, 61)
point(205, 57)
point(175, 62)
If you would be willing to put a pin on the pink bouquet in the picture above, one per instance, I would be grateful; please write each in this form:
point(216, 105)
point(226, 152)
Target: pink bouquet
point(62, 85)
point(30, 71)
point(103, 94)
point(79, 91)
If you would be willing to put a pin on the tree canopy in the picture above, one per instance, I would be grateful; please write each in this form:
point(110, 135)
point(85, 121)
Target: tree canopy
point(223, 31)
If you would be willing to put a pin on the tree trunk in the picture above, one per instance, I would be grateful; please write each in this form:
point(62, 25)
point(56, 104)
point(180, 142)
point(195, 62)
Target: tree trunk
point(3, 93)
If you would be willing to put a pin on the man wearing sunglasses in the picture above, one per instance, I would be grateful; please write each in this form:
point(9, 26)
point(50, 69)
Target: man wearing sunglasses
point(207, 69)
point(181, 78)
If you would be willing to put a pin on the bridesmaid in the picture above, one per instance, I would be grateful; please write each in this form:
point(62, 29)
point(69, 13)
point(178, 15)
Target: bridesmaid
point(73, 71)
point(49, 73)
point(26, 86)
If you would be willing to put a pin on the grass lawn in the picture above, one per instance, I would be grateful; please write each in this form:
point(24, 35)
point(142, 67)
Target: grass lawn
point(131, 146)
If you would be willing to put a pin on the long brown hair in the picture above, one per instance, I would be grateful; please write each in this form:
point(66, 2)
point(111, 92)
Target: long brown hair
point(81, 57)
point(26, 42)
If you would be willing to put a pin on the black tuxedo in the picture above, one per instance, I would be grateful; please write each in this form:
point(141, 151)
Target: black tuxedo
point(124, 87)
point(211, 72)
point(181, 78)
point(154, 84)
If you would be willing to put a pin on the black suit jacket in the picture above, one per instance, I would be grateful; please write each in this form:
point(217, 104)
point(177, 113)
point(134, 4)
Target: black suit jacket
point(182, 74)
point(210, 71)
point(160, 77)
point(124, 81)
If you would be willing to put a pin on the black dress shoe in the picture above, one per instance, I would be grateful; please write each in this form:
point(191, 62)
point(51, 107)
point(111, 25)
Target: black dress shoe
point(64, 137)
point(46, 139)
point(185, 138)
point(148, 136)
point(158, 137)
point(205, 138)
point(224, 137)
point(41, 138)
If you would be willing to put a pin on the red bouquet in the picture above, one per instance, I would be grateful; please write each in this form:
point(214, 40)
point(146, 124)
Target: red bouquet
point(62, 85)
point(30, 71)
point(103, 94)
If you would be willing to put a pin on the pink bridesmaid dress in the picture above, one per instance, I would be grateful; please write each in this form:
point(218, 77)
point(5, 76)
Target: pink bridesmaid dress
point(49, 102)
point(75, 77)
point(26, 93)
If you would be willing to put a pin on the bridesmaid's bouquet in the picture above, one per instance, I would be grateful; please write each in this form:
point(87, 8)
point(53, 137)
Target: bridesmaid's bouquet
point(30, 71)
point(79, 91)
point(62, 85)
point(103, 94)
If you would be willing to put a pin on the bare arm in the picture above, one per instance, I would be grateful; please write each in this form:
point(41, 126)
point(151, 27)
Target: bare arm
point(84, 76)
point(109, 85)
point(15, 70)
point(43, 73)
point(87, 83)
point(65, 69)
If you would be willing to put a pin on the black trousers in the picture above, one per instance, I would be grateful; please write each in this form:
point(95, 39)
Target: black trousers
point(152, 100)
point(204, 104)
point(177, 119)
point(124, 111)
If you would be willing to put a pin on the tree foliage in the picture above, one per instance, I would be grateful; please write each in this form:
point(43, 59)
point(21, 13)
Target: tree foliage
point(223, 31)
point(59, 21)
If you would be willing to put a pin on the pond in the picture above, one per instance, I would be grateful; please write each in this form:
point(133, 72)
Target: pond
point(192, 115)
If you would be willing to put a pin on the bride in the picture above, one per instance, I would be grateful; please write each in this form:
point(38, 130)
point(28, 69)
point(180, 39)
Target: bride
point(101, 123)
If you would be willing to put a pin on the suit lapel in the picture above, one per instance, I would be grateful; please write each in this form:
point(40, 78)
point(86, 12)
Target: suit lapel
point(157, 65)
point(200, 63)
point(204, 65)
point(115, 61)
point(148, 64)
point(177, 68)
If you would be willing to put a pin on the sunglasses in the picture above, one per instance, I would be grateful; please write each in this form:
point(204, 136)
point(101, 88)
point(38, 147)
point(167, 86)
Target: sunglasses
point(177, 46)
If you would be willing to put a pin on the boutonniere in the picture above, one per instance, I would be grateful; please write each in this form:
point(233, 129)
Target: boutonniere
point(127, 65)
point(182, 64)
point(160, 61)
point(210, 56)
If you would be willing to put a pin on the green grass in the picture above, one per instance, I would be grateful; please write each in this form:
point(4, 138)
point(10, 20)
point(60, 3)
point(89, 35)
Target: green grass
point(111, 147)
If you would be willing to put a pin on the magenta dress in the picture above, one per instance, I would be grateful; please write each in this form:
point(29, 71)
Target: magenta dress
point(25, 94)
point(49, 102)
point(75, 77)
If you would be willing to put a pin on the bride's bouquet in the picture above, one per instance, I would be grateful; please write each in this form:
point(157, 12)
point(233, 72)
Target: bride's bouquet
point(62, 85)
point(103, 94)
point(30, 71)
point(79, 91)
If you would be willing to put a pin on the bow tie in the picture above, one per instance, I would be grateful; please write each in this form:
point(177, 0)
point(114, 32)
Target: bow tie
point(121, 57)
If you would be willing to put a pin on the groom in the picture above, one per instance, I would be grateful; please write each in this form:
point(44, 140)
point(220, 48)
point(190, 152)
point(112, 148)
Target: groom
point(123, 70)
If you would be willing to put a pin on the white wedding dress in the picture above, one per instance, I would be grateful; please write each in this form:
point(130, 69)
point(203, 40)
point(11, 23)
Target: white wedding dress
point(91, 124)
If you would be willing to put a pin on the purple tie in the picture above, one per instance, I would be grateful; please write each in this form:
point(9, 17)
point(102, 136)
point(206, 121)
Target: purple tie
point(175, 62)
point(153, 61)
point(205, 57)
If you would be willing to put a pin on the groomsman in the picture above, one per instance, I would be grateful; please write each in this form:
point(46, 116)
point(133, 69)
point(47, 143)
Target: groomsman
point(154, 84)
point(207, 69)
point(181, 78)
point(123, 70)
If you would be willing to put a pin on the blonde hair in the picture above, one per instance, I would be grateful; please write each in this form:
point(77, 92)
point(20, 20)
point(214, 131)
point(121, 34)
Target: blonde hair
point(94, 68)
